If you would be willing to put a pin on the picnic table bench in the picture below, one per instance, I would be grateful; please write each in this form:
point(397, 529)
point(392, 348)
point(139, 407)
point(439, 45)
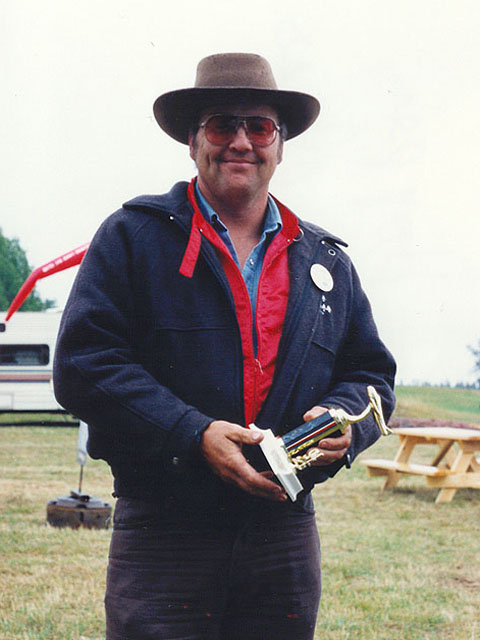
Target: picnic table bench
point(454, 466)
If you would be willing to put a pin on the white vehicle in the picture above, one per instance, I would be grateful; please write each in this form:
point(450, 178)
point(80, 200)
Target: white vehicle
point(27, 345)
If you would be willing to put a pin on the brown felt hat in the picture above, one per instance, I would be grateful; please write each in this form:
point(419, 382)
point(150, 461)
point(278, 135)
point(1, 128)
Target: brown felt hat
point(228, 78)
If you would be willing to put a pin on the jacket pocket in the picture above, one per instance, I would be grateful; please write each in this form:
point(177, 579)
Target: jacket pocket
point(320, 342)
point(132, 513)
point(314, 378)
point(202, 366)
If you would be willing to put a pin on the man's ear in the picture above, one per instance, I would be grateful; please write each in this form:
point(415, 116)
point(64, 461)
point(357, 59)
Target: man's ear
point(280, 152)
point(192, 145)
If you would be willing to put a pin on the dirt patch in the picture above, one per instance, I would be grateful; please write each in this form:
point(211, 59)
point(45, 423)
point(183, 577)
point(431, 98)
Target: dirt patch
point(466, 583)
point(398, 422)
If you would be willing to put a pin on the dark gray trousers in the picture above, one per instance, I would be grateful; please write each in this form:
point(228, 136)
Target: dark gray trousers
point(174, 579)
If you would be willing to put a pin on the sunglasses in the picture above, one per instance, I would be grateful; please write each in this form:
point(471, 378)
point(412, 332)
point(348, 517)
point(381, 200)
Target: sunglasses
point(221, 128)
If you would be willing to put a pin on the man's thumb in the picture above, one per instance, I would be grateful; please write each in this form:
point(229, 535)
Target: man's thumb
point(252, 436)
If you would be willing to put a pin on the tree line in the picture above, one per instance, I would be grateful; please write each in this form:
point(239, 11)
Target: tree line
point(14, 270)
point(475, 351)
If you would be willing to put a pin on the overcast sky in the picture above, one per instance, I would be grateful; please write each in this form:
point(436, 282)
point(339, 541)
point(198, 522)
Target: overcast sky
point(391, 165)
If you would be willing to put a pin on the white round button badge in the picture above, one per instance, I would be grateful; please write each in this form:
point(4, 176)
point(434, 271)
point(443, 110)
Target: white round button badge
point(322, 277)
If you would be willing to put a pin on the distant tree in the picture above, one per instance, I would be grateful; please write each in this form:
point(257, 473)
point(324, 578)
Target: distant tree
point(476, 354)
point(14, 270)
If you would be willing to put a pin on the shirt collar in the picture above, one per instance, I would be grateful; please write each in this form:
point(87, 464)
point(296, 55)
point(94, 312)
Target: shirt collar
point(273, 220)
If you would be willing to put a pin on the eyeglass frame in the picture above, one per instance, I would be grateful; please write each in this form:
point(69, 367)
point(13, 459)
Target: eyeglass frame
point(242, 121)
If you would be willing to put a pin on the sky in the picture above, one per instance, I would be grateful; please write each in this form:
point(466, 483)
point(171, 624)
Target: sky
point(391, 165)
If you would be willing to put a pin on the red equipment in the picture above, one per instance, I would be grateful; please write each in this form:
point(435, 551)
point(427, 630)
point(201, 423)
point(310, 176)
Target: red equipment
point(65, 261)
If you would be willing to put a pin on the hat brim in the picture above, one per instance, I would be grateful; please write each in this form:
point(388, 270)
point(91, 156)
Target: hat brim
point(175, 111)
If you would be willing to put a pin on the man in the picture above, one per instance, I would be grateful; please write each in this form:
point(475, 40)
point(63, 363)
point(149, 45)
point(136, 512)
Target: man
point(194, 314)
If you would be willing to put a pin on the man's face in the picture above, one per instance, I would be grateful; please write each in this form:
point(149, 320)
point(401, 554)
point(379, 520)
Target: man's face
point(238, 169)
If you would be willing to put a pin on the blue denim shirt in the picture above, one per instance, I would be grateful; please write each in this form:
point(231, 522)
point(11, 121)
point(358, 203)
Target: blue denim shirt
point(253, 265)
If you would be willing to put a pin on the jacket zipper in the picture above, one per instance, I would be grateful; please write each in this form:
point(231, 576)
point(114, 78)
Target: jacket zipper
point(267, 262)
point(221, 276)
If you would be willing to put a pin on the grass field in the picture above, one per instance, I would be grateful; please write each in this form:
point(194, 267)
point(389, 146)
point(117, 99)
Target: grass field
point(438, 402)
point(395, 564)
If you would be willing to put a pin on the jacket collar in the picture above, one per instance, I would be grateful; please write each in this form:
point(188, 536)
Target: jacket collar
point(200, 226)
point(176, 203)
point(172, 202)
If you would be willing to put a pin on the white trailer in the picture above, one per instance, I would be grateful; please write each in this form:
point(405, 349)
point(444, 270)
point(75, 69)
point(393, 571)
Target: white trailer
point(27, 345)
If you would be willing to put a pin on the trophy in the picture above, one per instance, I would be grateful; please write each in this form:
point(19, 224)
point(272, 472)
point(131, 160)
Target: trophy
point(284, 454)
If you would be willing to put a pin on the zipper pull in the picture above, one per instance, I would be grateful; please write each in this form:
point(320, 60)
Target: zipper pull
point(259, 365)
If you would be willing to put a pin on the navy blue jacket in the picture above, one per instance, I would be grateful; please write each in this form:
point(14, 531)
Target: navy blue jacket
point(148, 358)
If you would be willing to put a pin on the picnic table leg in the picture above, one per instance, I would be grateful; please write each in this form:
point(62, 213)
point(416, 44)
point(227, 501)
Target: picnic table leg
point(461, 465)
point(445, 454)
point(403, 454)
point(474, 464)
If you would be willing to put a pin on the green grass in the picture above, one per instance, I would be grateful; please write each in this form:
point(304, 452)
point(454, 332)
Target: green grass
point(438, 402)
point(37, 419)
point(395, 564)
point(52, 579)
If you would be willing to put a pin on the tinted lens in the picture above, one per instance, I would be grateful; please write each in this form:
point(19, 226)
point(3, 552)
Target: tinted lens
point(261, 131)
point(221, 129)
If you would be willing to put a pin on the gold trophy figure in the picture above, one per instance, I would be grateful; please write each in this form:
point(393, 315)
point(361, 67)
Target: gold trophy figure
point(284, 453)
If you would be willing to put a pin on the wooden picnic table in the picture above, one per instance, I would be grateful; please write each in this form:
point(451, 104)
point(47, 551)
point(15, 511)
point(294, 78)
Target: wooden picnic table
point(454, 466)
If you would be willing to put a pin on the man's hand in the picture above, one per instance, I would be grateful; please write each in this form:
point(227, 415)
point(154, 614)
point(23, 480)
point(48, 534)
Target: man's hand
point(221, 446)
point(332, 448)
